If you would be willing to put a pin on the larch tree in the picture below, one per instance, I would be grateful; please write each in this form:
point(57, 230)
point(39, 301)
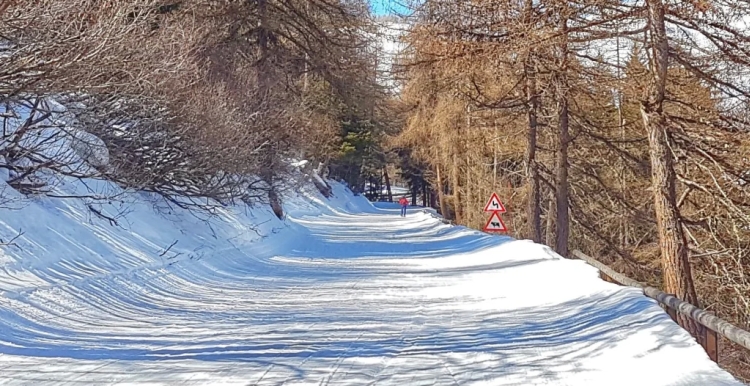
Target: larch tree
point(630, 115)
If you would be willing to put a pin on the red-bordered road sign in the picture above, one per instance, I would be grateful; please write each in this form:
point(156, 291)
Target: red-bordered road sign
point(495, 224)
point(494, 204)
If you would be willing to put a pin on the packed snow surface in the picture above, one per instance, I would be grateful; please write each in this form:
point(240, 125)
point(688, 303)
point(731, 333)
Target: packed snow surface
point(339, 293)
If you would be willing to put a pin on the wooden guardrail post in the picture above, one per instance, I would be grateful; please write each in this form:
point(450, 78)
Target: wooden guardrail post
point(606, 278)
point(671, 311)
point(711, 344)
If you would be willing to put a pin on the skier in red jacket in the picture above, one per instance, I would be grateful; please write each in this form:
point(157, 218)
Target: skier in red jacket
point(404, 203)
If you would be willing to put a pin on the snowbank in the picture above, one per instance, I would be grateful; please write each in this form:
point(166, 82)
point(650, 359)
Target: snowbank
point(72, 240)
point(338, 293)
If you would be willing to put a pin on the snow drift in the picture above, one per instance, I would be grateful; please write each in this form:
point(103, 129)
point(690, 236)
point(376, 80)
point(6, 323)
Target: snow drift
point(338, 293)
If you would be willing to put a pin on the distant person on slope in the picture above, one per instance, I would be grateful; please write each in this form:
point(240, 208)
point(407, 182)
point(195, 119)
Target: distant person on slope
point(404, 203)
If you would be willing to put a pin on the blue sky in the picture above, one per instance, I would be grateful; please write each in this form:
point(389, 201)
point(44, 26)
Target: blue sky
point(386, 7)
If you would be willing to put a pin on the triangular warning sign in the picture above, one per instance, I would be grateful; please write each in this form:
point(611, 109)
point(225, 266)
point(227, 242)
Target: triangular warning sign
point(494, 204)
point(495, 224)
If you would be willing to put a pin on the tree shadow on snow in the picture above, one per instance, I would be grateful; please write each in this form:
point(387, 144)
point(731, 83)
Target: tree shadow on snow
point(531, 341)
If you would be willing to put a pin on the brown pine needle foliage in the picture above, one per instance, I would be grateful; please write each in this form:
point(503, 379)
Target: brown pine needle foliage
point(489, 80)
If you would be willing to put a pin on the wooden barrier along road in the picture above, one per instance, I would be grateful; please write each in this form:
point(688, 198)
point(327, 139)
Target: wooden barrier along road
point(712, 325)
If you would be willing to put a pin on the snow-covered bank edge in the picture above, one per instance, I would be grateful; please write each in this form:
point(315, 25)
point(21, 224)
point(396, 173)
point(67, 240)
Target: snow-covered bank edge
point(58, 240)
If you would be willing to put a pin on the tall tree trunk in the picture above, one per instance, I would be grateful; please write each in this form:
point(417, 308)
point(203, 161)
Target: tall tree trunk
point(414, 195)
point(456, 182)
point(388, 184)
point(562, 221)
point(440, 191)
point(534, 209)
point(269, 158)
point(550, 232)
point(677, 273)
point(467, 198)
point(678, 278)
point(494, 155)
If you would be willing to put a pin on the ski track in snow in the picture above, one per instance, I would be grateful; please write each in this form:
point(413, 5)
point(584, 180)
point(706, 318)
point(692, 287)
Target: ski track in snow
point(341, 293)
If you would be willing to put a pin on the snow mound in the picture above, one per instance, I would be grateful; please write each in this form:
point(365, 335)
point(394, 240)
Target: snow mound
point(339, 293)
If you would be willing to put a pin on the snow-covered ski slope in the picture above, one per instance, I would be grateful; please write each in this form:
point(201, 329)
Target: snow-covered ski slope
point(340, 293)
